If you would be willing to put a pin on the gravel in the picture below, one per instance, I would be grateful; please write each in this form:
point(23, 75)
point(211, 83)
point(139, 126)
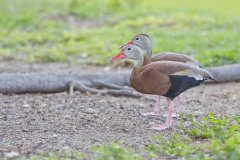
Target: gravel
point(31, 123)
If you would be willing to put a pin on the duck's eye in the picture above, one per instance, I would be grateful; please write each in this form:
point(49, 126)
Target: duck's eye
point(137, 39)
point(129, 49)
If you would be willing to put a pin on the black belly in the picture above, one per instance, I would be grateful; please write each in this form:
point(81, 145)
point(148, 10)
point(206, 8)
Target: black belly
point(180, 84)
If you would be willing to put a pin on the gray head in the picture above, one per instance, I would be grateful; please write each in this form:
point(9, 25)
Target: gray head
point(143, 41)
point(129, 51)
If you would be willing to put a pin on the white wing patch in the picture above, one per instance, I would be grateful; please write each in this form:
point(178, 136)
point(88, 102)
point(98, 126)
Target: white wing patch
point(195, 75)
point(190, 73)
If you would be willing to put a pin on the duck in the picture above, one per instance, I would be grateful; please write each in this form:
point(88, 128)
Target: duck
point(144, 42)
point(162, 78)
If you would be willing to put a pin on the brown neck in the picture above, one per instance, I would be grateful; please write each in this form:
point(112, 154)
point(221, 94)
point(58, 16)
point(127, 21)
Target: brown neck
point(135, 72)
point(134, 76)
point(147, 60)
point(138, 64)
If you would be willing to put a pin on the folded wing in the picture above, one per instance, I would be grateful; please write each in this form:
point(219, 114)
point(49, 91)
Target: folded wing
point(182, 76)
point(169, 56)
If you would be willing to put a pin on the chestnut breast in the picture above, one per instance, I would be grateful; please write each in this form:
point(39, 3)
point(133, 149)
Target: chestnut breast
point(150, 82)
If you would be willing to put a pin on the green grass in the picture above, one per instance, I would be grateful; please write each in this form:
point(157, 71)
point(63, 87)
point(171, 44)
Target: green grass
point(58, 155)
point(218, 139)
point(38, 30)
point(114, 151)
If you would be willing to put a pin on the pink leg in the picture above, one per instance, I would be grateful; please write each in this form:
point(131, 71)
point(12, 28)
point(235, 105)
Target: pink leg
point(169, 120)
point(178, 104)
point(156, 110)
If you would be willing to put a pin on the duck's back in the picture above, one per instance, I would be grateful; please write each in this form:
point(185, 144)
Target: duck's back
point(177, 57)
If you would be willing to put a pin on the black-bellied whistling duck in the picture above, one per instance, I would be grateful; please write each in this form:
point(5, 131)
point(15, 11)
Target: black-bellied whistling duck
point(144, 42)
point(163, 78)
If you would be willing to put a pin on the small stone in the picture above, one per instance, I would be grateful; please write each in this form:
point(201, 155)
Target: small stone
point(25, 130)
point(124, 130)
point(90, 111)
point(84, 55)
point(12, 154)
point(67, 116)
point(107, 68)
point(67, 148)
point(44, 105)
point(152, 123)
point(102, 101)
point(198, 113)
point(26, 105)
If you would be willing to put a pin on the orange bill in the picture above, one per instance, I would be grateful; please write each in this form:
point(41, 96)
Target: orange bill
point(120, 55)
point(129, 42)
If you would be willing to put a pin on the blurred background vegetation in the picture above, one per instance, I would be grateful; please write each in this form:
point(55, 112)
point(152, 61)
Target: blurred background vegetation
point(90, 31)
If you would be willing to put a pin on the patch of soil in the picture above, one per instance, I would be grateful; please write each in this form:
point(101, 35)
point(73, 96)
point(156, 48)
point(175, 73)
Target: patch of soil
point(41, 122)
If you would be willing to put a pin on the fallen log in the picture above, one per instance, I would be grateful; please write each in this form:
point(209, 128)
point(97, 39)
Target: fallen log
point(94, 83)
point(227, 73)
point(113, 83)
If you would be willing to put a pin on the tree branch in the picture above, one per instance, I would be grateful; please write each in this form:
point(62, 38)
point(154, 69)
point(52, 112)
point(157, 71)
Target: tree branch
point(112, 83)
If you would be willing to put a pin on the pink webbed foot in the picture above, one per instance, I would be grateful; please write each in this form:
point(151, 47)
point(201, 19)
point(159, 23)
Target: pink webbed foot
point(169, 121)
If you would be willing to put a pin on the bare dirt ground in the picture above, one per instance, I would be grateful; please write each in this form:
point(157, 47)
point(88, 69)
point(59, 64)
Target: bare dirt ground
point(35, 122)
